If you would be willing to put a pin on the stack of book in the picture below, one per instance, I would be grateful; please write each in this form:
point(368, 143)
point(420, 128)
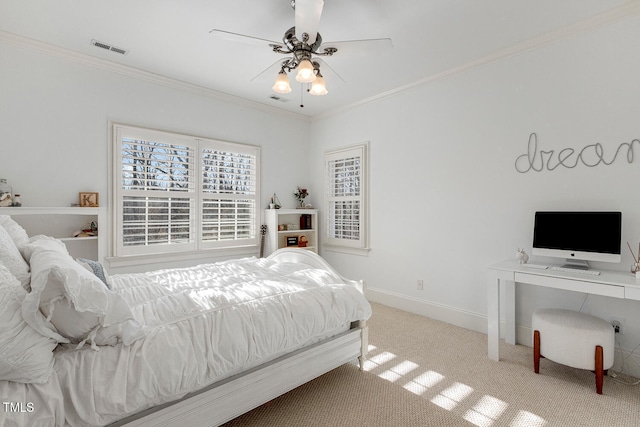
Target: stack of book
point(305, 222)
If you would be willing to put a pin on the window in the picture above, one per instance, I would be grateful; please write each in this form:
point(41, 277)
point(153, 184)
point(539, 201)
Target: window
point(175, 193)
point(346, 199)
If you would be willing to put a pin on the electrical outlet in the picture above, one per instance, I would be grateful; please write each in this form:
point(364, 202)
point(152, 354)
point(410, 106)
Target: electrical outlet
point(420, 285)
point(618, 325)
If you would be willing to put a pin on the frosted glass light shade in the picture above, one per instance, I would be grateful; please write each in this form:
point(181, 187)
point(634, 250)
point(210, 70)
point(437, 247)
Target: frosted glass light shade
point(318, 87)
point(305, 72)
point(282, 83)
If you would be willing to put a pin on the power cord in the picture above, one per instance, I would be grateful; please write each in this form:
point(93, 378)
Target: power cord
point(614, 375)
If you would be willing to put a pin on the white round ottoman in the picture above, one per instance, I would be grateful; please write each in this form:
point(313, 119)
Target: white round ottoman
point(574, 339)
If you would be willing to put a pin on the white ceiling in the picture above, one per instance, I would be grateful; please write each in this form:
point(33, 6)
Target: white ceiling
point(431, 39)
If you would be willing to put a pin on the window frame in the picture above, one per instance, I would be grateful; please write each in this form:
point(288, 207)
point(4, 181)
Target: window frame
point(196, 247)
point(358, 246)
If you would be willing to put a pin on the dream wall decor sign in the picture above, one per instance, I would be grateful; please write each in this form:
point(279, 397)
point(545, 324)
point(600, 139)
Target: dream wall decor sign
point(590, 156)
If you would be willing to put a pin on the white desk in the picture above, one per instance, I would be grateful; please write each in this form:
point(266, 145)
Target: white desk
point(504, 275)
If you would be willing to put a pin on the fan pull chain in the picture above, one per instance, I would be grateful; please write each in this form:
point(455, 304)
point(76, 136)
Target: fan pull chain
point(301, 91)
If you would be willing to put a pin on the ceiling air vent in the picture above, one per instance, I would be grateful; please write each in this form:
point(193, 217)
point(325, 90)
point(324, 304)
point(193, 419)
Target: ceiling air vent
point(278, 98)
point(106, 46)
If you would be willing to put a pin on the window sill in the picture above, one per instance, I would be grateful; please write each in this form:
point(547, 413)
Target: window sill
point(209, 255)
point(347, 250)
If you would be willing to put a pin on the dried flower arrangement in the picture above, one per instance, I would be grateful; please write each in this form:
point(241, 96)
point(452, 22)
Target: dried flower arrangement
point(300, 194)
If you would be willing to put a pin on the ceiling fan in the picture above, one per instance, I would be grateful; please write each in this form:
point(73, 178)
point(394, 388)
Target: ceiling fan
point(304, 46)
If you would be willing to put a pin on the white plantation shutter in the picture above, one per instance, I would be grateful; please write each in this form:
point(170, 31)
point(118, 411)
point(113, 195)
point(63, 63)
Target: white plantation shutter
point(156, 220)
point(346, 189)
point(229, 190)
point(157, 194)
point(175, 193)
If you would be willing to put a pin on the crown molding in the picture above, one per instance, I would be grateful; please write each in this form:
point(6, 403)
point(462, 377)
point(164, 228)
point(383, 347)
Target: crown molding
point(604, 19)
point(16, 40)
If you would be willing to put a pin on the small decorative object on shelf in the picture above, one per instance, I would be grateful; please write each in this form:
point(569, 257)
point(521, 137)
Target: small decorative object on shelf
point(274, 203)
point(89, 230)
point(302, 241)
point(88, 200)
point(300, 195)
point(522, 256)
point(17, 201)
point(6, 194)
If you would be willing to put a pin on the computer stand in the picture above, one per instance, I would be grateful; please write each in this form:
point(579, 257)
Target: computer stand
point(577, 264)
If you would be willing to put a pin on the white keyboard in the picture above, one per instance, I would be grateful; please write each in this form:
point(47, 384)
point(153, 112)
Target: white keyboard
point(536, 266)
point(575, 270)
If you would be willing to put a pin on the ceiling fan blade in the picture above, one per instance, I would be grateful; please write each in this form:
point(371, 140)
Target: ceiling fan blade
point(235, 37)
point(308, 14)
point(271, 70)
point(360, 47)
point(331, 73)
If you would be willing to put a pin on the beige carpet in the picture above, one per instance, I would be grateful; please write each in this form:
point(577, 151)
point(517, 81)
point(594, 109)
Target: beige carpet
point(423, 372)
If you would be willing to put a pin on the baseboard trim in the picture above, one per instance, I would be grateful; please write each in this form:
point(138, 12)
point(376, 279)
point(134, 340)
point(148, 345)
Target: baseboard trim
point(478, 322)
point(444, 313)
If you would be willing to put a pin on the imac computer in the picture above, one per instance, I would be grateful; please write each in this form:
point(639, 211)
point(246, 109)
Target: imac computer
point(578, 237)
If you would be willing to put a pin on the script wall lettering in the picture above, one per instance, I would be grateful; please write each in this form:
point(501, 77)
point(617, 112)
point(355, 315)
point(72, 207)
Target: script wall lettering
point(591, 156)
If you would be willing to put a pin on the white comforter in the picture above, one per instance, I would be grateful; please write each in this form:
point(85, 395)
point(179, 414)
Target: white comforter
point(203, 324)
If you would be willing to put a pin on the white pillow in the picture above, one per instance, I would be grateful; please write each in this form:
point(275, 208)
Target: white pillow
point(77, 305)
point(15, 230)
point(27, 250)
point(25, 355)
point(10, 256)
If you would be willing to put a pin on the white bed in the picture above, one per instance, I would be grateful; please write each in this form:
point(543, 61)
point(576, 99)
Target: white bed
point(192, 346)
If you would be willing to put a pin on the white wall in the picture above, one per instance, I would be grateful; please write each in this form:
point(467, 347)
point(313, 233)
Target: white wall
point(54, 126)
point(446, 200)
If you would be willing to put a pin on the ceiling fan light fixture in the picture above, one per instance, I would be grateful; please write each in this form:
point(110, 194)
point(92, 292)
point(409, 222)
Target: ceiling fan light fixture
point(318, 86)
point(305, 72)
point(282, 83)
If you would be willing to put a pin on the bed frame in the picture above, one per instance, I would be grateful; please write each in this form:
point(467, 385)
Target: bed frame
point(229, 398)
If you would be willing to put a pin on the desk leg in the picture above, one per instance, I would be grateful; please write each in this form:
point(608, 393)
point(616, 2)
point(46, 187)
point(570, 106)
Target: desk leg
point(510, 311)
point(493, 316)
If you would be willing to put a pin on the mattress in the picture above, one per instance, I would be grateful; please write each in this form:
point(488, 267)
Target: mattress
point(201, 324)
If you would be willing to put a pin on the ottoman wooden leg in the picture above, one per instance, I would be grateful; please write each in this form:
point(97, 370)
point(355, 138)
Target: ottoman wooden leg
point(536, 352)
point(599, 369)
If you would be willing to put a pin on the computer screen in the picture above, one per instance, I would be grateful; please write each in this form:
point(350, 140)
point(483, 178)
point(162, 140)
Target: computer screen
point(579, 235)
